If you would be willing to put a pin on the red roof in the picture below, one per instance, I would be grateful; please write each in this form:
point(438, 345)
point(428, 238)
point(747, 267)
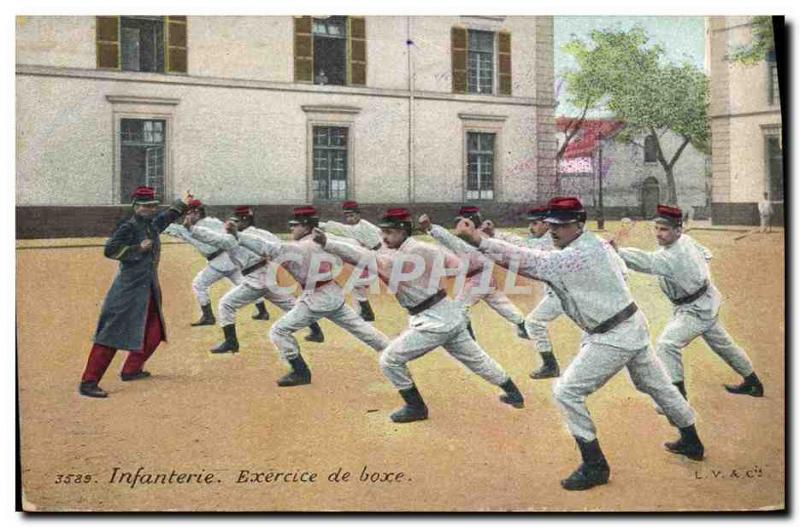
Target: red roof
point(585, 141)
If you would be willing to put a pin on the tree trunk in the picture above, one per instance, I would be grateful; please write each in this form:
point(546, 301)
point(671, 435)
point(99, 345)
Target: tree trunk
point(672, 193)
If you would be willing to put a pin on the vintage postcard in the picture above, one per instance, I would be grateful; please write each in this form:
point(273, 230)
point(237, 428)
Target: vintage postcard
point(405, 263)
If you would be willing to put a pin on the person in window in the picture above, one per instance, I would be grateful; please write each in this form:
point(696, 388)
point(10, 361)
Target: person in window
point(131, 316)
point(321, 78)
point(765, 214)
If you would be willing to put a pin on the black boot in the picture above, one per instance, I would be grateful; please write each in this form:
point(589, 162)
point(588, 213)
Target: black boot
point(207, 318)
point(471, 333)
point(522, 332)
point(91, 389)
point(230, 344)
point(750, 386)
point(512, 395)
point(688, 445)
point(366, 311)
point(592, 472)
point(316, 334)
point(414, 409)
point(262, 314)
point(134, 376)
point(548, 369)
point(299, 375)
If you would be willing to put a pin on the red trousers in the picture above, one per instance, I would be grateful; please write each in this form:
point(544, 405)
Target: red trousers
point(100, 357)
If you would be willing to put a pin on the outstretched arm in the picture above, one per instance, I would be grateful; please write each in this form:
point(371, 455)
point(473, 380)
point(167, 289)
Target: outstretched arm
point(644, 261)
point(220, 240)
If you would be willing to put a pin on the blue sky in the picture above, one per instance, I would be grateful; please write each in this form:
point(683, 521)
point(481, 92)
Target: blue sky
point(683, 39)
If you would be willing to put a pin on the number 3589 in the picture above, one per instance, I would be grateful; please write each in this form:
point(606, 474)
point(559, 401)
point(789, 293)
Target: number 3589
point(73, 478)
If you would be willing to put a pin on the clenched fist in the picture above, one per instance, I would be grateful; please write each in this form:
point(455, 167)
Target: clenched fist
point(488, 228)
point(424, 223)
point(320, 237)
point(146, 245)
point(466, 230)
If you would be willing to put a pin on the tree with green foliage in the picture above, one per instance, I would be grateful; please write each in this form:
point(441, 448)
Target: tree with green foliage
point(762, 43)
point(622, 73)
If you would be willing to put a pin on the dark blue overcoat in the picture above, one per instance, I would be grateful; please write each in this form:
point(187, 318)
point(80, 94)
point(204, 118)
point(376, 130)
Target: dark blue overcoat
point(124, 313)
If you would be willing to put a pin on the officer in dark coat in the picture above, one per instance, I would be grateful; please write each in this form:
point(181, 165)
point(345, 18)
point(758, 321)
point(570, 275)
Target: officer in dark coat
point(131, 317)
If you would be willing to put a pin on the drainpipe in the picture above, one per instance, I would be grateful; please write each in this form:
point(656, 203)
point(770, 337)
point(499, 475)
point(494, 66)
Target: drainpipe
point(409, 48)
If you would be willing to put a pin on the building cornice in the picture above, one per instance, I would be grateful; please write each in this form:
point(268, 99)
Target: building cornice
point(137, 99)
point(777, 111)
point(218, 82)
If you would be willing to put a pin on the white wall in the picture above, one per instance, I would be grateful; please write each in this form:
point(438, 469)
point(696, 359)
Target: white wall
point(237, 131)
point(64, 41)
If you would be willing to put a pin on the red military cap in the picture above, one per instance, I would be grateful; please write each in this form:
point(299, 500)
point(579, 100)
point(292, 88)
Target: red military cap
point(396, 218)
point(243, 211)
point(195, 204)
point(304, 215)
point(565, 210)
point(144, 196)
point(670, 215)
point(470, 212)
point(350, 206)
point(537, 213)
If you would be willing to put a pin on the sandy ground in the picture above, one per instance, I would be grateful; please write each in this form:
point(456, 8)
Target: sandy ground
point(222, 415)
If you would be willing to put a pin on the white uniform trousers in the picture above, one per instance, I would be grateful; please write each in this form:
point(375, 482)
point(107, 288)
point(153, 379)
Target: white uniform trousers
point(301, 316)
point(595, 364)
point(473, 292)
point(247, 293)
point(548, 309)
point(209, 276)
point(414, 343)
point(683, 328)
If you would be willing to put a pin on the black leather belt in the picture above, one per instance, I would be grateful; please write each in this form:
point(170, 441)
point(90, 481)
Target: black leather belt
point(427, 303)
point(614, 321)
point(214, 254)
point(474, 272)
point(688, 299)
point(254, 267)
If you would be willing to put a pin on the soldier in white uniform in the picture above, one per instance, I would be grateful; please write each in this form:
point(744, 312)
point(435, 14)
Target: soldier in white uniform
point(414, 270)
point(681, 265)
point(480, 283)
point(321, 297)
point(590, 283)
point(365, 233)
point(259, 277)
point(549, 307)
point(219, 265)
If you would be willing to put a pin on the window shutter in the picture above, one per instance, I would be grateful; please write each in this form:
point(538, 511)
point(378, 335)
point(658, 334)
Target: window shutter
point(107, 39)
point(458, 48)
point(504, 60)
point(303, 50)
point(356, 51)
point(177, 49)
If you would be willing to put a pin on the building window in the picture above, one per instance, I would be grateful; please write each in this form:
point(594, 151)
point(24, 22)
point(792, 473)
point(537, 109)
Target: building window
point(330, 50)
point(480, 165)
point(774, 161)
point(480, 61)
point(142, 150)
point(772, 81)
point(142, 42)
point(330, 163)
point(650, 149)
